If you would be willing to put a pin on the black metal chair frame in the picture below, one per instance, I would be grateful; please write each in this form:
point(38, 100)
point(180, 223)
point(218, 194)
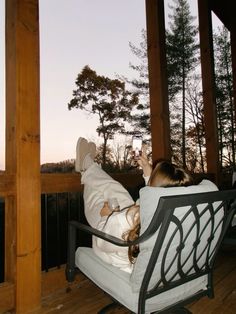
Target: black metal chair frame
point(230, 237)
point(162, 218)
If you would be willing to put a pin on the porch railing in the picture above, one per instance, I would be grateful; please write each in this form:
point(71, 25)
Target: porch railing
point(61, 200)
point(57, 210)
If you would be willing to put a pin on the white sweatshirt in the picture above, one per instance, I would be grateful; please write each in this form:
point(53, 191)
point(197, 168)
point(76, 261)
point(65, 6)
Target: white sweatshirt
point(116, 225)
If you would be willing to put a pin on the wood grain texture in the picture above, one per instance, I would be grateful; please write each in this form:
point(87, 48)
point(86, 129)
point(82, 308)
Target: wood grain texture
point(158, 91)
point(23, 151)
point(208, 87)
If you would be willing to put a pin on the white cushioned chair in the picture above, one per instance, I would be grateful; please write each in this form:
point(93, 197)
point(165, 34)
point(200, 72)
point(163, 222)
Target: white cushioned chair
point(181, 231)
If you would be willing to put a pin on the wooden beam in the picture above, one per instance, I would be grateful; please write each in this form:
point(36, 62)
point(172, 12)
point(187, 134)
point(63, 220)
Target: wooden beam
point(159, 110)
point(225, 11)
point(23, 148)
point(208, 83)
point(10, 238)
point(71, 182)
point(7, 185)
point(60, 182)
point(6, 297)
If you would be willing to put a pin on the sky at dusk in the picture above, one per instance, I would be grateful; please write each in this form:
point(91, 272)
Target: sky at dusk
point(75, 33)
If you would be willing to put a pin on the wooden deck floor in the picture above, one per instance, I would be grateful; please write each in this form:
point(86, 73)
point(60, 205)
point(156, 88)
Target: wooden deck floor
point(86, 298)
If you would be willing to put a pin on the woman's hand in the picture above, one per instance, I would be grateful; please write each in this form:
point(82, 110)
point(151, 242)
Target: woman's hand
point(144, 164)
point(106, 210)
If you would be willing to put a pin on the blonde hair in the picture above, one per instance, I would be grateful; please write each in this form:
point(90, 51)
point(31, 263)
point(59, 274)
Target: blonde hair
point(165, 174)
point(132, 215)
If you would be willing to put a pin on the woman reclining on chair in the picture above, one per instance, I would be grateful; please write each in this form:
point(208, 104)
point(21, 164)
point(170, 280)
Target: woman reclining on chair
point(99, 187)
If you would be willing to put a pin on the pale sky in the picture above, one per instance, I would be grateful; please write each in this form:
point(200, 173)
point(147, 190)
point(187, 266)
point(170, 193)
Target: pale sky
point(80, 32)
point(74, 33)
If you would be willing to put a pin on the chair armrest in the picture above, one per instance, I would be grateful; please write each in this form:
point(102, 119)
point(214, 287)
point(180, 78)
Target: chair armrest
point(98, 233)
point(73, 226)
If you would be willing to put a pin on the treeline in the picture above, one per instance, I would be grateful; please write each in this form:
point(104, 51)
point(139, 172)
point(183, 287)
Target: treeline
point(113, 162)
point(62, 166)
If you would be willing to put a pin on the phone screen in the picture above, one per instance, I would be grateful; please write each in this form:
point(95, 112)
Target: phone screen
point(137, 146)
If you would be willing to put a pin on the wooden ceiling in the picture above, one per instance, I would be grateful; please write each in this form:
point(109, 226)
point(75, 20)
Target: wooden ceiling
point(225, 10)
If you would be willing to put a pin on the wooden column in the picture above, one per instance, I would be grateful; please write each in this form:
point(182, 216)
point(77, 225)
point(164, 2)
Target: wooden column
point(159, 110)
point(23, 149)
point(208, 83)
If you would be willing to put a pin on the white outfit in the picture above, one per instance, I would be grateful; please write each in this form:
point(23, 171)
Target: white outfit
point(98, 188)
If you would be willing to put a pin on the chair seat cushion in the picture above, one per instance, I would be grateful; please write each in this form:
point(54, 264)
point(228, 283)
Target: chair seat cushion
point(117, 283)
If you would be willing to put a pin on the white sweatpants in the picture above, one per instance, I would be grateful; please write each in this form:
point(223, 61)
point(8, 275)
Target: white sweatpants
point(98, 188)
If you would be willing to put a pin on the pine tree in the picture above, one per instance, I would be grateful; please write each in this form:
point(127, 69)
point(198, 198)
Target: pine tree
point(181, 55)
point(141, 114)
point(181, 60)
point(224, 97)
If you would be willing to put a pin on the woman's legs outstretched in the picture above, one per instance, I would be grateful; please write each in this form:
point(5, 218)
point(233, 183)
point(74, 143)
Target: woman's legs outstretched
point(98, 187)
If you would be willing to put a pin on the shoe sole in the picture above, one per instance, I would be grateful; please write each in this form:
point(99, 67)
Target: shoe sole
point(81, 151)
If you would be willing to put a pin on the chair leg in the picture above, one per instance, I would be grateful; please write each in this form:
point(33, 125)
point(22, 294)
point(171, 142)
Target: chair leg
point(181, 310)
point(177, 310)
point(108, 307)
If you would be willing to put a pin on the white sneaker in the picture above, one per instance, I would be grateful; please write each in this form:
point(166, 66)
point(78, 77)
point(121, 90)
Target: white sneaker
point(82, 149)
point(92, 149)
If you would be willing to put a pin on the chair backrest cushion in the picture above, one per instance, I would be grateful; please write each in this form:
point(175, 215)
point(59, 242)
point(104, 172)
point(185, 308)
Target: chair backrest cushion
point(149, 198)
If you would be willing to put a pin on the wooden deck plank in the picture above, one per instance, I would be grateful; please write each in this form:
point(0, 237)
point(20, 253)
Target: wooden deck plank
point(224, 287)
point(84, 297)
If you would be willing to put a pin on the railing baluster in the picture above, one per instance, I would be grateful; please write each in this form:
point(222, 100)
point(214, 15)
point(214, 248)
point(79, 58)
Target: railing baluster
point(57, 231)
point(46, 230)
point(2, 238)
point(68, 206)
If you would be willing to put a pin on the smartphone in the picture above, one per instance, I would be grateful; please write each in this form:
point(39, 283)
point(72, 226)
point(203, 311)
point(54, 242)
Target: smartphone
point(137, 146)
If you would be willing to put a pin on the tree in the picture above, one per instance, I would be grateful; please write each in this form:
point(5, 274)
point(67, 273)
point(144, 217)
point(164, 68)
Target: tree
point(181, 56)
point(108, 99)
point(118, 156)
point(141, 114)
point(224, 97)
point(108, 165)
point(196, 130)
point(181, 60)
point(62, 166)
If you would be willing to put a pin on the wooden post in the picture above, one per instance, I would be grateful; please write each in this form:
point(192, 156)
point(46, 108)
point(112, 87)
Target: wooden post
point(157, 68)
point(23, 148)
point(208, 83)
